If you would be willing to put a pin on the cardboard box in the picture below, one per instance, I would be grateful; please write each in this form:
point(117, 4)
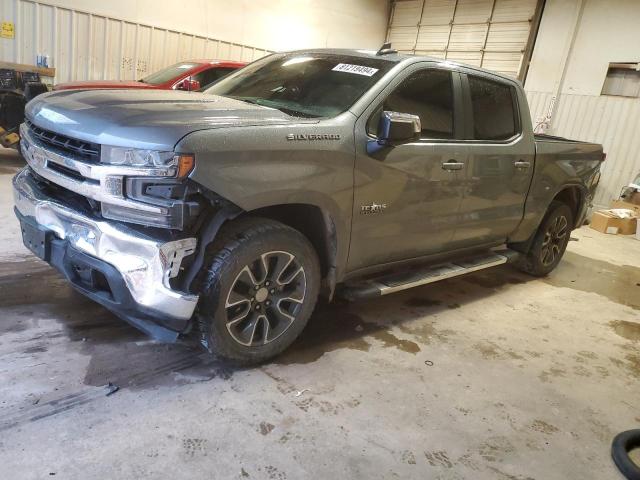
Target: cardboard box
point(626, 205)
point(606, 222)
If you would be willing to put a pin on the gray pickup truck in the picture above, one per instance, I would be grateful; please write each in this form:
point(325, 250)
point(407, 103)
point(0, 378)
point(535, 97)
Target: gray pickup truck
point(318, 172)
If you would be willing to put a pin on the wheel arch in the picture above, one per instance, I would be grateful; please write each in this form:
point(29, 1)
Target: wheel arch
point(317, 225)
point(572, 195)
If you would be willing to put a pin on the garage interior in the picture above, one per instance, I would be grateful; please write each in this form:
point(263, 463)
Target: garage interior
point(491, 375)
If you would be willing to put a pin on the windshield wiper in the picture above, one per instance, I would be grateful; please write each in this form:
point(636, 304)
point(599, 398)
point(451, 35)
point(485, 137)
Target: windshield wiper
point(250, 100)
point(267, 103)
point(283, 109)
point(295, 113)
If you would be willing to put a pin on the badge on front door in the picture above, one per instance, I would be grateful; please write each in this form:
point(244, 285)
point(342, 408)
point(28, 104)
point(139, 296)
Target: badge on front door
point(373, 208)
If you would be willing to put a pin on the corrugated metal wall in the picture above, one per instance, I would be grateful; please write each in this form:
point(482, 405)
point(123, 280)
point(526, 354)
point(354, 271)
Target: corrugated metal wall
point(612, 121)
point(487, 33)
point(84, 46)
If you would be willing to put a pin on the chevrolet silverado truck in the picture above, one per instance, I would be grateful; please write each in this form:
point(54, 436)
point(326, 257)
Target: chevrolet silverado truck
point(225, 214)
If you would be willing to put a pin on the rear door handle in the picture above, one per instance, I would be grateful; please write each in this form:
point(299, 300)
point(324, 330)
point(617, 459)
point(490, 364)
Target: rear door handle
point(452, 165)
point(521, 164)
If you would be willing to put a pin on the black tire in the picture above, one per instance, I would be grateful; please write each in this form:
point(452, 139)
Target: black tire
point(550, 241)
point(260, 289)
point(622, 444)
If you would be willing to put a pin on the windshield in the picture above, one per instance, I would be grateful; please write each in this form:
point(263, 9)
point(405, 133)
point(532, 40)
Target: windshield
point(306, 85)
point(168, 73)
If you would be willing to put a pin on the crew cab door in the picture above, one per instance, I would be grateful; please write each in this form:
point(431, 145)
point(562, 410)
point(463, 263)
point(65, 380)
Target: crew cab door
point(499, 160)
point(407, 196)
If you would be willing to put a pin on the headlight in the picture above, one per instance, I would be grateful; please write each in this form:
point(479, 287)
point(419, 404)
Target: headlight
point(135, 157)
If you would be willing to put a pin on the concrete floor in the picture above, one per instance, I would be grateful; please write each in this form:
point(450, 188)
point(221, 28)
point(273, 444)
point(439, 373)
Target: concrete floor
point(491, 376)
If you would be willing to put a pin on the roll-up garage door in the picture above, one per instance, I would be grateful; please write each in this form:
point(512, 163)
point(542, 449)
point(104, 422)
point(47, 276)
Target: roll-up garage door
point(493, 34)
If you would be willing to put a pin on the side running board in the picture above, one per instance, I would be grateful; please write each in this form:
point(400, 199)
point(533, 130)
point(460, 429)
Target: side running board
point(401, 281)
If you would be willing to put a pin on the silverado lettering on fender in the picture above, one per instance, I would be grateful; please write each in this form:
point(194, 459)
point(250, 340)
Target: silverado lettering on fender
point(312, 172)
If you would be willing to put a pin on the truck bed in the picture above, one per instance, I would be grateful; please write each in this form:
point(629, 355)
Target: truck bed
point(560, 148)
point(543, 137)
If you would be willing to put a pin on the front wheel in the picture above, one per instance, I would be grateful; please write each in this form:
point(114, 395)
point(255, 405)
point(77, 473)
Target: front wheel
point(261, 288)
point(550, 241)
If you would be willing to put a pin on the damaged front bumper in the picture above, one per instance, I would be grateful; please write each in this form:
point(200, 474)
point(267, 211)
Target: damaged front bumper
point(119, 267)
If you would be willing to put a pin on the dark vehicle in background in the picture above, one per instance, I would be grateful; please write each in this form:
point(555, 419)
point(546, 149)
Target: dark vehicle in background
point(319, 172)
point(17, 87)
point(192, 75)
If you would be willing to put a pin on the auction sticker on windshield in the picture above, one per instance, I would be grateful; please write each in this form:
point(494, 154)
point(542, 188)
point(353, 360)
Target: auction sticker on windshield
point(357, 69)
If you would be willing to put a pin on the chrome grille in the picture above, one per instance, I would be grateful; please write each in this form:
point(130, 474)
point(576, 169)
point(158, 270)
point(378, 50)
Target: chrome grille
point(78, 148)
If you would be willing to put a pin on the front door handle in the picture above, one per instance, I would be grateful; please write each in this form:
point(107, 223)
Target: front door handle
point(452, 165)
point(521, 164)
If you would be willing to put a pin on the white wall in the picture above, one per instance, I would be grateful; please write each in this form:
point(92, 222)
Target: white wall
point(607, 31)
point(128, 39)
point(266, 24)
point(552, 43)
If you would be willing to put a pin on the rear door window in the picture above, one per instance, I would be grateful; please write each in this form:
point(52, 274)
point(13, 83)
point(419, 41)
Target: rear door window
point(493, 109)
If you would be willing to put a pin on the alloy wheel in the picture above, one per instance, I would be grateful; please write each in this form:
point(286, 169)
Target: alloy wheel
point(554, 240)
point(265, 298)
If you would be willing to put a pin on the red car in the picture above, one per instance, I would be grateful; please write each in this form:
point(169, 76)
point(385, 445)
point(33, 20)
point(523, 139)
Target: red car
point(190, 75)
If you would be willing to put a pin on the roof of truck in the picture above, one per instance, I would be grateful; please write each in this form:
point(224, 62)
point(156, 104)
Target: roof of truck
point(391, 57)
point(397, 58)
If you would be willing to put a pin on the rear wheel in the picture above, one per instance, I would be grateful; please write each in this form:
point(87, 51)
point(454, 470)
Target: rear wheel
point(261, 288)
point(550, 241)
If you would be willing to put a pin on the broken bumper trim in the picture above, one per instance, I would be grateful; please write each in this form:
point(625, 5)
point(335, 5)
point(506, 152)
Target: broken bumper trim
point(137, 268)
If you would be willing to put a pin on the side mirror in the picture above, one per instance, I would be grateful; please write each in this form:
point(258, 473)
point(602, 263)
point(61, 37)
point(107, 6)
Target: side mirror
point(189, 85)
point(396, 127)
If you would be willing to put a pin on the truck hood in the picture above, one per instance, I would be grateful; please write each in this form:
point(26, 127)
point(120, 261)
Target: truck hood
point(154, 119)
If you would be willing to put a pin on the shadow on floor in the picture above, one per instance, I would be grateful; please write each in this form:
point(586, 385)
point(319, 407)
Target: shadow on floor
point(339, 325)
point(30, 290)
